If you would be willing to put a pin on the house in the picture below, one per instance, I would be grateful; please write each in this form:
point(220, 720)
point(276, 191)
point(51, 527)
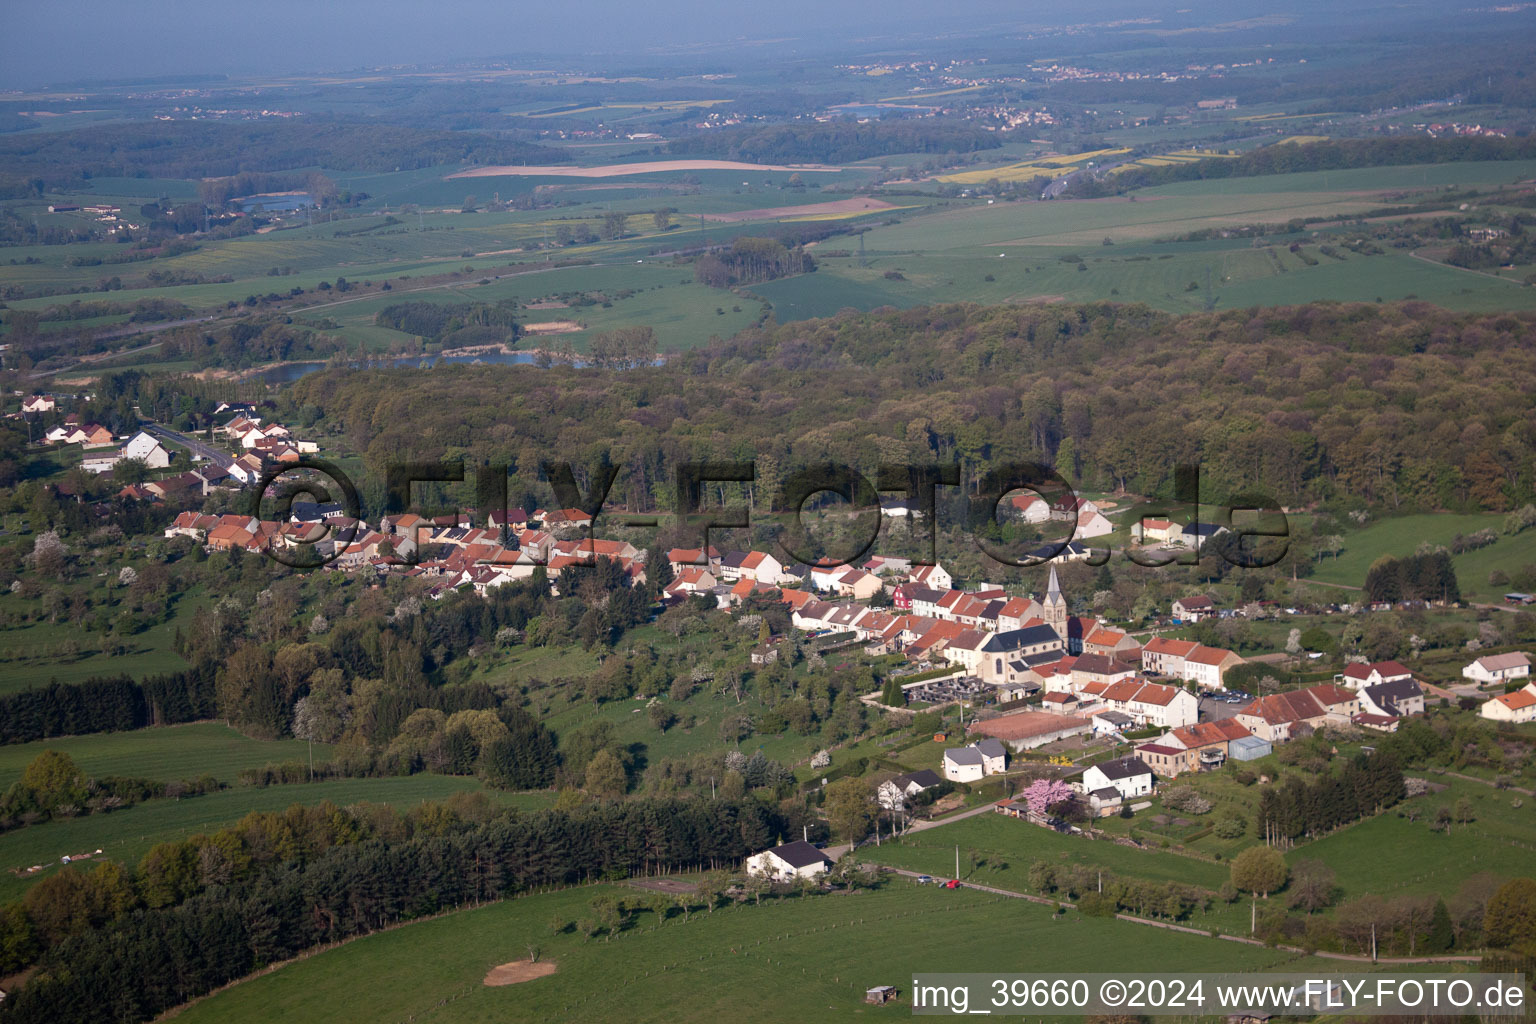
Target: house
point(246, 469)
point(968, 764)
point(1207, 666)
point(694, 558)
point(38, 403)
point(893, 793)
point(765, 654)
point(1163, 656)
point(1282, 716)
point(859, 585)
point(92, 435)
point(1126, 777)
point(934, 577)
point(147, 449)
point(753, 565)
point(1107, 722)
point(1110, 642)
point(1200, 746)
point(1154, 531)
point(1026, 730)
point(1397, 698)
point(1498, 668)
point(1361, 674)
point(1166, 707)
point(1193, 609)
point(1164, 760)
point(786, 863)
point(1519, 706)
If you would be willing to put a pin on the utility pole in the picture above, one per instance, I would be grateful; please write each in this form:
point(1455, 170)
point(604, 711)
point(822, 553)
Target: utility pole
point(957, 860)
point(862, 261)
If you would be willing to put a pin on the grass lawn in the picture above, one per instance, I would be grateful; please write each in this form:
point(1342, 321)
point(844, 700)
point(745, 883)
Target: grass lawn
point(128, 834)
point(802, 959)
point(169, 752)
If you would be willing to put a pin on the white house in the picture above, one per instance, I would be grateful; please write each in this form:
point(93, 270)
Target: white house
point(39, 403)
point(1127, 776)
point(1519, 706)
point(1498, 668)
point(1398, 698)
point(145, 448)
point(786, 863)
point(895, 792)
point(969, 764)
point(934, 577)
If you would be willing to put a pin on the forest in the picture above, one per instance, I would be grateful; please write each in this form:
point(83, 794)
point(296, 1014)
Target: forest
point(217, 149)
point(1395, 406)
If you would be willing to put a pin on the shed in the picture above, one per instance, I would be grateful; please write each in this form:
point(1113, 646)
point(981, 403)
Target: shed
point(1248, 748)
point(880, 994)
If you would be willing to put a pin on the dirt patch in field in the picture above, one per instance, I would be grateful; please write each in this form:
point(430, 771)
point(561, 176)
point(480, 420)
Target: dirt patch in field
point(519, 971)
point(549, 305)
point(620, 170)
point(860, 205)
point(552, 327)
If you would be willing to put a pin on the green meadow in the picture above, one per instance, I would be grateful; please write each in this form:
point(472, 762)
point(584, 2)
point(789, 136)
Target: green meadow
point(815, 956)
point(166, 753)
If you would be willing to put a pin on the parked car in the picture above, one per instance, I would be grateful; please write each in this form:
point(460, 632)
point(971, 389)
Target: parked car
point(924, 879)
point(953, 883)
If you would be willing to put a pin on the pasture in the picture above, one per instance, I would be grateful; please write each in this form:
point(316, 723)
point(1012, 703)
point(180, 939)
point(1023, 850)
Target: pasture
point(816, 956)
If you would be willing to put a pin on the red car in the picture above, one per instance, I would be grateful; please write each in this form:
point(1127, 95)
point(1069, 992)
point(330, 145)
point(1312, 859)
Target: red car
point(953, 883)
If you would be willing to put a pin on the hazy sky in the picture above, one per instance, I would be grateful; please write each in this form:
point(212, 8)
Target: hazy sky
point(64, 40)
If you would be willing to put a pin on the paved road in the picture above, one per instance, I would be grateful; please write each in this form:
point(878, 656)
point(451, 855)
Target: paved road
point(202, 448)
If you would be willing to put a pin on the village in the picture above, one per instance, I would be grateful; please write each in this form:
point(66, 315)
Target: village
point(1119, 714)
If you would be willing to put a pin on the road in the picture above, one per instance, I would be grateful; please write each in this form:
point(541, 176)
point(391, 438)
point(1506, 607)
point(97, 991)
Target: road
point(201, 448)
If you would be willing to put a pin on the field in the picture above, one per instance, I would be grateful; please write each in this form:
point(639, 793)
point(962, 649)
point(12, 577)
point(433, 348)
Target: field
point(170, 752)
point(816, 956)
point(623, 170)
point(126, 835)
point(1048, 166)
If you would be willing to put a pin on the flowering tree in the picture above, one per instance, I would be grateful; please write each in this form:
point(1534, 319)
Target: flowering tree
point(1043, 793)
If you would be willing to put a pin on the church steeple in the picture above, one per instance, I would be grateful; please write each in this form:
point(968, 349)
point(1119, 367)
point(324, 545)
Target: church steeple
point(1054, 607)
